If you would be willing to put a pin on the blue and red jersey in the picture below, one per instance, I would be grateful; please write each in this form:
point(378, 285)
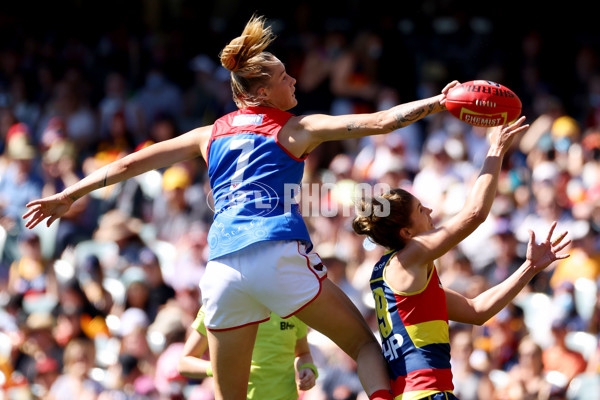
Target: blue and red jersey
point(414, 335)
point(254, 182)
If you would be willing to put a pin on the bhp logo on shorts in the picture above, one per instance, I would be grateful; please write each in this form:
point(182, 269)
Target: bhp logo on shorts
point(251, 200)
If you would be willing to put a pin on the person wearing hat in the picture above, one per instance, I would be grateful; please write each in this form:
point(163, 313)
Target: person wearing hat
point(60, 169)
point(20, 184)
point(38, 343)
point(172, 211)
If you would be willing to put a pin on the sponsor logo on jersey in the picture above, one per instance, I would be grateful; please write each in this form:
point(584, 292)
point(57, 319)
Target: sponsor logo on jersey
point(247, 119)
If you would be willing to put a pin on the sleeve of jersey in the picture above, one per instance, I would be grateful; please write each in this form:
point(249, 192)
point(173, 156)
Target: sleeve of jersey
point(302, 330)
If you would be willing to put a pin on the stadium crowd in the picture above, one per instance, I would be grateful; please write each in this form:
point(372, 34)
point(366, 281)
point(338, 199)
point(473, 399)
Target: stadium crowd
point(97, 306)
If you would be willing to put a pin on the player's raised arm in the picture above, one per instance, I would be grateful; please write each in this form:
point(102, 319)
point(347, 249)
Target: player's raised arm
point(304, 133)
point(432, 244)
point(187, 146)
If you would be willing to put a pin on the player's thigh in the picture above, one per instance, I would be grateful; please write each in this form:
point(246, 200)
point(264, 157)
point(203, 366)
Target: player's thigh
point(231, 355)
point(333, 314)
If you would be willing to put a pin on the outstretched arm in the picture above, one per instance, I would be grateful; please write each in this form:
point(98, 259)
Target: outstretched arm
point(159, 155)
point(303, 134)
point(487, 304)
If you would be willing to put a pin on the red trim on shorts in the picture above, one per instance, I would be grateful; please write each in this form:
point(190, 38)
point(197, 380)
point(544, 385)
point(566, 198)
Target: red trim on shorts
point(318, 279)
point(308, 264)
point(239, 326)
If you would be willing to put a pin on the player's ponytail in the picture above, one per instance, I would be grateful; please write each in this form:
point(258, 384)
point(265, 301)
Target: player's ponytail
point(249, 63)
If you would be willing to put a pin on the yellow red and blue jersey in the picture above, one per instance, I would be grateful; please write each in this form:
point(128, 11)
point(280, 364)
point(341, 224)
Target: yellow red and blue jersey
point(414, 335)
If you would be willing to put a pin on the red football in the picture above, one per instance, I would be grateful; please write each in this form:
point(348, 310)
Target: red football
point(483, 103)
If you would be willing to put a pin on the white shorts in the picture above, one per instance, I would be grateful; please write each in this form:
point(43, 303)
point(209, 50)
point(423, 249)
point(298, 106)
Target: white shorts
point(244, 287)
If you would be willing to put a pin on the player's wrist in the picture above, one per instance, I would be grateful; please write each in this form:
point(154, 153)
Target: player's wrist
point(69, 197)
point(310, 366)
point(496, 151)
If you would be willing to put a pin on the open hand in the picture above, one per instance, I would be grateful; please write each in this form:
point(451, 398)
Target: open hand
point(502, 136)
point(543, 254)
point(52, 207)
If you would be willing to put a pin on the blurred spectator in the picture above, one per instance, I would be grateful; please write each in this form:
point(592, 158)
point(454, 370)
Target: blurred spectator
point(75, 382)
point(26, 109)
point(381, 155)
point(119, 138)
point(76, 316)
point(159, 291)
point(47, 371)
point(117, 227)
point(167, 379)
point(469, 383)
point(158, 96)
point(339, 380)
point(54, 130)
point(313, 88)
point(547, 209)
point(133, 334)
point(19, 185)
point(60, 169)
point(354, 81)
point(184, 200)
point(507, 258)
point(584, 261)
point(565, 132)
point(187, 302)
point(435, 177)
point(163, 127)
point(192, 256)
point(90, 276)
point(116, 100)
point(558, 357)
point(126, 381)
point(336, 272)
point(563, 301)
point(137, 292)
point(39, 350)
point(200, 102)
point(132, 197)
point(8, 119)
point(80, 120)
point(172, 212)
point(456, 271)
point(30, 273)
point(526, 378)
point(504, 333)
